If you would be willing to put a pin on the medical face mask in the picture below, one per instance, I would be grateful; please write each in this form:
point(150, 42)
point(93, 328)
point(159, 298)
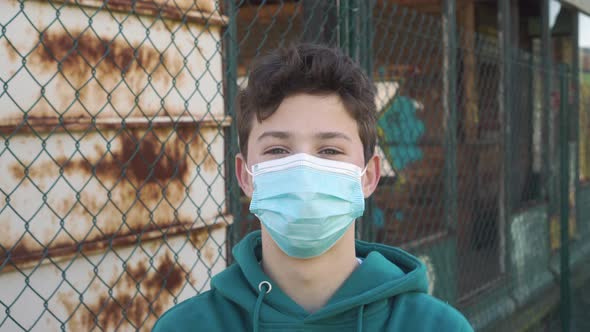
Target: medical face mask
point(306, 203)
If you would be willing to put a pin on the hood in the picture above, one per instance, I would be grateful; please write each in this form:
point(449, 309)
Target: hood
point(385, 272)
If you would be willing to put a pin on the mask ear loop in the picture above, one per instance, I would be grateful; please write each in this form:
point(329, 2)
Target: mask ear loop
point(364, 170)
point(248, 169)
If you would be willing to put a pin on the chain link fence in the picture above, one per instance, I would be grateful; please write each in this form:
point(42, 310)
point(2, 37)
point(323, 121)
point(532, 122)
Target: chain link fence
point(118, 198)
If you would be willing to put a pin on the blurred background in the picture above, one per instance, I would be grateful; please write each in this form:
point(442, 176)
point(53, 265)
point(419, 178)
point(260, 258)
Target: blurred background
point(117, 142)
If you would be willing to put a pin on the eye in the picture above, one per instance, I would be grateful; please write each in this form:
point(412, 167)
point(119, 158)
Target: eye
point(276, 151)
point(330, 151)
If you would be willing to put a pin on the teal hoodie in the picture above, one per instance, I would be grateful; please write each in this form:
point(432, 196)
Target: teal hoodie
point(387, 292)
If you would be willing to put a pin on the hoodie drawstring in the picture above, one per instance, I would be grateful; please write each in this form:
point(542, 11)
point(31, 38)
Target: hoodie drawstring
point(359, 320)
point(261, 293)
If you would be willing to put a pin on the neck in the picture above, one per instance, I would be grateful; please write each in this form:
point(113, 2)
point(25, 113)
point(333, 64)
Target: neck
point(310, 282)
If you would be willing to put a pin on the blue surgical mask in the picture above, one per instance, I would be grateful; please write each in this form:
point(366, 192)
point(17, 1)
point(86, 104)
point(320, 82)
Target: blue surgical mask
point(306, 203)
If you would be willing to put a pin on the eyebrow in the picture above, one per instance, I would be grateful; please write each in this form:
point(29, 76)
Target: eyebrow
point(331, 135)
point(322, 135)
point(275, 134)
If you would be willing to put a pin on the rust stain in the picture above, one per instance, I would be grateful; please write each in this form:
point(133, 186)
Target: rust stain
point(71, 122)
point(200, 5)
point(152, 157)
point(198, 240)
point(10, 254)
point(17, 171)
point(79, 52)
point(3, 246)
point(204, 12)
point(127, 306)
point(147, 180)
point(28, 250)
point(12, 54)
point(171, 9)
point(65, 299)
point(168, 275)
point(95, 65)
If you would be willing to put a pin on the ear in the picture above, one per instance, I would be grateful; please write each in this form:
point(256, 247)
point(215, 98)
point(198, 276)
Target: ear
point(244, 179)
point(372, 175)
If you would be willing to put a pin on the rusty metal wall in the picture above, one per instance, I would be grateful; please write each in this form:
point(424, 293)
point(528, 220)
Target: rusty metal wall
point(104, 64)
point(112, 155)
point(120, 289)
point(74, 189)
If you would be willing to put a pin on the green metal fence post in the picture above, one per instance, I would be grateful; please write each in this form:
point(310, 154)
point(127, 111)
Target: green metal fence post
point(450, 172)
point(507, 57)
point(343, 22)
point(231, 90)
point(353, 31)
point(450, 139)
point(546, 63)
point(505, 104)
point(564, 197)
point(535, 193)
point(575, 81)
point(365, 41)
point(366, 36)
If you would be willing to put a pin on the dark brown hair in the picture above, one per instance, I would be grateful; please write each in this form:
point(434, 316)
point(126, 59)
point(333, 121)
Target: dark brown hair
point(311, 69)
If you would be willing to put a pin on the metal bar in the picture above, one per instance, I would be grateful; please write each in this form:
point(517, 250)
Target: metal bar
point(15, 259)
point(530, 125)
point(343, 23)
point(353, 13)
point(575, 80)
point(564, 198)
point(368, 36)
point(53, 125)
point(231, 63)
point(450, 172)
point(365, 13)
point(206, 16)
point(506, 81)
point(546, 60)
point(365, 34)
point(505, 106)
point(450, 113)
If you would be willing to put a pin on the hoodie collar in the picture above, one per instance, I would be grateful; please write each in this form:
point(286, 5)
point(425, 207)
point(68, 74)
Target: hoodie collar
point(248, 254)
point(385, 272)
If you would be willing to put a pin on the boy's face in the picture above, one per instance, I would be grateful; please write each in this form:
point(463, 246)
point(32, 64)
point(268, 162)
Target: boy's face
point(312, 124)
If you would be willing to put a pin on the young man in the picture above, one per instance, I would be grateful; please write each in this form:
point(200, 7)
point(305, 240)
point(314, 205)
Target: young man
point(307, 137)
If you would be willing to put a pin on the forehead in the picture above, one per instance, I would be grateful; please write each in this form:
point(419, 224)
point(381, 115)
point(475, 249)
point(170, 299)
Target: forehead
point(305, 113)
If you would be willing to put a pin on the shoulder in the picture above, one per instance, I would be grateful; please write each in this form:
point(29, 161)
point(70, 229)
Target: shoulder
point(429, 311)
point(183, 316)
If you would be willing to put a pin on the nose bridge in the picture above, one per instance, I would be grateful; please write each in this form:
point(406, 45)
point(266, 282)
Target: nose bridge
point(303, 142)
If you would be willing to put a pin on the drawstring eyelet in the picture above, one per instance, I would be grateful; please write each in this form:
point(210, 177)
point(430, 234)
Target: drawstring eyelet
point(269, 286)
point(261, 293)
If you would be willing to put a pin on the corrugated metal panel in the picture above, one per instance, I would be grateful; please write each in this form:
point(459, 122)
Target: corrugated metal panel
point(105, 64)
point(63, 189)
point(201, 11)
point(113, 202)
point(121, 289)
point(207, 6)
point(113, 115)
